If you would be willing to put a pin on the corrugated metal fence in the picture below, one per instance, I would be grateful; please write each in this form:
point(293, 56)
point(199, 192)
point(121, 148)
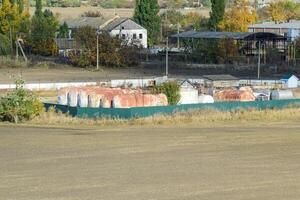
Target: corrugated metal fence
point(127, 113)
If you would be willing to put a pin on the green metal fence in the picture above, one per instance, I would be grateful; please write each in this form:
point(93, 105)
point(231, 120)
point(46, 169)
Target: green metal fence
point(127, 113)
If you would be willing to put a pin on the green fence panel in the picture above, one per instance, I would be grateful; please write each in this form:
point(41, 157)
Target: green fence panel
point(127, 113)
point(104, 112)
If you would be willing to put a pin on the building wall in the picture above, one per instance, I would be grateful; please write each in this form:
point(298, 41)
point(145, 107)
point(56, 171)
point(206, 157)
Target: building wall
point(292, 82)
point(188, 96)
point(128, 35)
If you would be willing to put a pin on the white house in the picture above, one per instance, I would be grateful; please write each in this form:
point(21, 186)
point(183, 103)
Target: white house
point(290, 81)
point(126, 29)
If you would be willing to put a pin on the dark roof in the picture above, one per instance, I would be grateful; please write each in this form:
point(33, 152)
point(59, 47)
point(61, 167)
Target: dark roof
point(186, 81)
point(94, 22)
point(126, 23)
point(232, 35)
point(287, 76)
point(221, 77)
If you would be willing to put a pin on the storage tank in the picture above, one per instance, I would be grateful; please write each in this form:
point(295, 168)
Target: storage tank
point(62, 97)
point(72, 98)
point(82, 99)
point(281, 94)
point(94, 100)
point(205, 99)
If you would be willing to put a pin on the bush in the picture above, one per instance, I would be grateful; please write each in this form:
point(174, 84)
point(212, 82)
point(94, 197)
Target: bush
point(19, 105)
point(5, 46)
point(171, 89)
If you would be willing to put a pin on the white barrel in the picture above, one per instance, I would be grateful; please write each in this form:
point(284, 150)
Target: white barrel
point(205, 99)
point(72, 98)
point(282, 94)
point(94, 100)
point(116, 102)
point(62, 98)
point(82, 99)
point(105, 103)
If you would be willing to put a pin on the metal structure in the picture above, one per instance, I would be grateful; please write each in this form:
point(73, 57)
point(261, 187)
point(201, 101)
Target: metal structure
point(248, 44)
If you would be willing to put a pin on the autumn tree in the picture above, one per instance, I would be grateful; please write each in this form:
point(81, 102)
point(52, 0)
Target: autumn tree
point(113, 52)
point(43, 29)
point(238, 17)
point(216, 14)
point(146, 14)
point(283, 10)
point(13, 21)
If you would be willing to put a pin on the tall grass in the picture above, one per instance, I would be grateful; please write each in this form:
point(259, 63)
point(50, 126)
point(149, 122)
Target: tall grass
point(8, 62)
point(201, 117)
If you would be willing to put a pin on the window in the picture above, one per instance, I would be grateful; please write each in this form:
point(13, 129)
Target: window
point(123, 36)
point(134, 36)
point(141, 36)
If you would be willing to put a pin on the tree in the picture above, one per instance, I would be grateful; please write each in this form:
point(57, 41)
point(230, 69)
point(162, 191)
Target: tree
point(5, 46)
point(63, 31)
point(238, 17)
point(19, 105)
point(216, 14)
point(112, 51)
point(9, 17)
point(171, 89)
point(146, 14)
point(283, 10)
point(43, 28)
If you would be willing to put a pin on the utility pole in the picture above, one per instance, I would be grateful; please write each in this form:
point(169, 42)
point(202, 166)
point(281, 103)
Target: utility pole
point(97, 50)
point(167, 57)
point(258, 62)
point(178, 36)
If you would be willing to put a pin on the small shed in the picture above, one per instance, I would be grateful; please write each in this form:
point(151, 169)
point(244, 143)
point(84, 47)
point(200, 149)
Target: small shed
point(188, 92)
point(290, 81)
point(221, 81)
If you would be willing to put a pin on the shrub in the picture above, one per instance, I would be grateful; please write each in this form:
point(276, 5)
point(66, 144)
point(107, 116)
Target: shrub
point(19, 105)
point(171, 89)
point(5, 46)
point(92, 14)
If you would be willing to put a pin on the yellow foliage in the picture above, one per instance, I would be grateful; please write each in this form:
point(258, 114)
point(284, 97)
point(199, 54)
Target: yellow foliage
point(283, 10)
point(238, 17)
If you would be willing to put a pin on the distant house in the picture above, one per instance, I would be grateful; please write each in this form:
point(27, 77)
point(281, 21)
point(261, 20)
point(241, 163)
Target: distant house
point(221, 81)
point(124, 28)
point(127, 29)
point(65, 45)
point(290, 81)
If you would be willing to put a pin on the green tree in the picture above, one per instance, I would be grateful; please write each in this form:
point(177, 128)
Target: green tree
point(171, 89)
point(43, 29)
point(5, 47)
point(216, 14)
point(63, 31)
point(19, 105)
point(146, 14)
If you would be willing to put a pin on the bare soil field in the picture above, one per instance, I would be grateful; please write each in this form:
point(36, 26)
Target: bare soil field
point(65, 73)
point(232, 161)
point(66, 13)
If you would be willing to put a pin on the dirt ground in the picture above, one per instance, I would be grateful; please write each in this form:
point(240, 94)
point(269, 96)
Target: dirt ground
point(72, 74)
point(253, 161)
